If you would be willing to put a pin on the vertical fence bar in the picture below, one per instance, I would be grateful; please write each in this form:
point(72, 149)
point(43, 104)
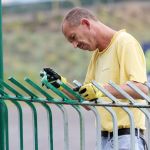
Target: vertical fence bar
point(50, 123)
point(20, 114)
point(6, 127)
point(98, 128)
point(5, 119)
point(148, 143)
point(4, 141)
point(82, 127)
point(35, 124)
point(2, 126)
point(1, 43)
point(2, 110)
point(65, 121)
point(115, 127)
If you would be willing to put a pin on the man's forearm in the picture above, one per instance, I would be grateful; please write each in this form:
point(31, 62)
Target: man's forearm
point(67, 93)
point(127, 89)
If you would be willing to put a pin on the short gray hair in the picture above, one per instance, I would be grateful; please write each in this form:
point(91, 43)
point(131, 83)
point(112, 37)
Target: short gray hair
point(74, 16)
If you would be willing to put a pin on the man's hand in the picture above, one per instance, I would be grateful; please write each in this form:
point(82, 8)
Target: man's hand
point(90, 92)
point(52, 77)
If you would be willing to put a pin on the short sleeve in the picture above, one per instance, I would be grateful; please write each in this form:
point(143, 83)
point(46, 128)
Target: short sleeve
point(132, 60)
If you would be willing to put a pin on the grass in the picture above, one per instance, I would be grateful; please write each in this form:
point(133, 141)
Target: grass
point(34, 41)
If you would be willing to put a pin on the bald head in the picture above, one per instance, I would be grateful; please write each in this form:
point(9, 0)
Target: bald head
point(74, 16)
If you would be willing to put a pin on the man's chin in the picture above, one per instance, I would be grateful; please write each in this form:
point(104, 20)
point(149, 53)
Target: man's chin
point(91, 49)
point(87, 49)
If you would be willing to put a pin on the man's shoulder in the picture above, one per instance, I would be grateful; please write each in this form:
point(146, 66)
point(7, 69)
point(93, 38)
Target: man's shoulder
point(124, 36)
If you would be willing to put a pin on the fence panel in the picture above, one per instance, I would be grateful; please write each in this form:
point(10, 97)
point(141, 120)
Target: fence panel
point(33, 102)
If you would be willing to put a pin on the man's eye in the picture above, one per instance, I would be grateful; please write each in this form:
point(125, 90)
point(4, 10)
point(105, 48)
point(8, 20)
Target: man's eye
point(73, 37)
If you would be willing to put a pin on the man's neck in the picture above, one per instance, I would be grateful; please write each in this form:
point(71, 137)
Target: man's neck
point(105, 35)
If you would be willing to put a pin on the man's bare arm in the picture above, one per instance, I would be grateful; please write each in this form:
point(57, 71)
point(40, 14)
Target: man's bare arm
point(127, 89)
point(67, 93)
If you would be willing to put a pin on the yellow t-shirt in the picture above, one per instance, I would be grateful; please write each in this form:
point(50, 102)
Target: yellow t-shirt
point(123, 60)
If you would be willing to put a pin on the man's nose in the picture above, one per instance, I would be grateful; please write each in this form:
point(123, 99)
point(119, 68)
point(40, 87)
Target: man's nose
point(75, 44)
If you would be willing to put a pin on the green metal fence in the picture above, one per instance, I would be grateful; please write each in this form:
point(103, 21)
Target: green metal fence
point(9, 94)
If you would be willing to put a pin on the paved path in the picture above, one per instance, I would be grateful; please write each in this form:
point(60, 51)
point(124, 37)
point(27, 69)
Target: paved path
point(74, 137)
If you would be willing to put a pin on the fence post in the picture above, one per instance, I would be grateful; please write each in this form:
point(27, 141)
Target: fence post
point(2, 126)
point(2, 109)
point(1, 43)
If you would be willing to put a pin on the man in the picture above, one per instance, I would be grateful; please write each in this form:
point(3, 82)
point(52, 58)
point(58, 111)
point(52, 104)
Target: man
point(117, 56)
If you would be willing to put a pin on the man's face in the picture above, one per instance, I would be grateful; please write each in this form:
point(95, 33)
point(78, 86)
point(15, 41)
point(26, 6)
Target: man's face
point(80, 36)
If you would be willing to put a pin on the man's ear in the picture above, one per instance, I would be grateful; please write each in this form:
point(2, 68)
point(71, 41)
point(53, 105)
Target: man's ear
point(85, 22)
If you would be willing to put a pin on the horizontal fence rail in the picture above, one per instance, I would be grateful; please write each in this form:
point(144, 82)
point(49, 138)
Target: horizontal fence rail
point(21, 96)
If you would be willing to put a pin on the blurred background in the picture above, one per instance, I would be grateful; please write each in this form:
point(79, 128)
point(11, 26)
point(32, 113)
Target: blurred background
point(32, 34)
point(32, 39)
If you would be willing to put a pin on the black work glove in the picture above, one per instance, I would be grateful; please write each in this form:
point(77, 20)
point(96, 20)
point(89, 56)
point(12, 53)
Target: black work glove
point(52, 77)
